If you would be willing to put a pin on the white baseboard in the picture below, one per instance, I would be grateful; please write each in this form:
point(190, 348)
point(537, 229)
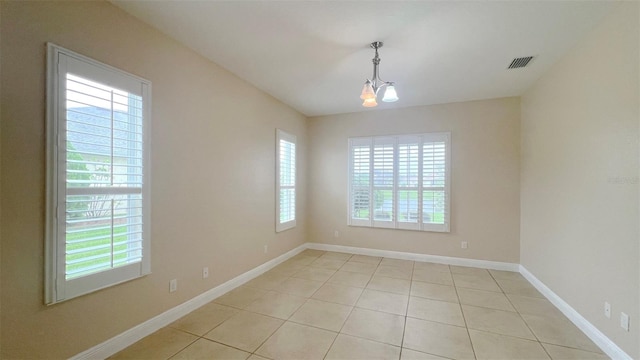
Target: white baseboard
point(600, 339)
point(484, 264)
point(129, 337)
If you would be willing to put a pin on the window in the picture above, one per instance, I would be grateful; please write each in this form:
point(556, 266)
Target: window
point(98, 229)
point(285, 181)
point(400, 182)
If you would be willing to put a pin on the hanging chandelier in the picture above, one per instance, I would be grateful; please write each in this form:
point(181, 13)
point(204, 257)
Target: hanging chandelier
point(371, 86)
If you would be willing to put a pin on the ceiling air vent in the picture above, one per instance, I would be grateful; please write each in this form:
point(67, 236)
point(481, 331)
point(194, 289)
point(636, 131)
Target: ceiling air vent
point(520, 62)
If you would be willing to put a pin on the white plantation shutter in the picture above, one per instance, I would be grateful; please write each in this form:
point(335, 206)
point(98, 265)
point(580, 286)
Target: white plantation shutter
point(383, 182)
point(435, 184)
point(360, 181)
point(408, 182)
point(285, 181)
point(98, 192)
point(400, 181)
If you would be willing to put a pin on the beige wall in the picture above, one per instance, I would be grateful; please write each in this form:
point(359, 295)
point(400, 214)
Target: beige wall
point(567, 207)
point(213, 149)
point(0, 178)
point(485, 151)
point(579, 180)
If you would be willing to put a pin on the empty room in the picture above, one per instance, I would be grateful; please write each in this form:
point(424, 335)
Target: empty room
point(319, 180)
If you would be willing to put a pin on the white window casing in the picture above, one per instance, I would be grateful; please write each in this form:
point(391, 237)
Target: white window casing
point(400, 182)
point(98, 183)
point(285, 180)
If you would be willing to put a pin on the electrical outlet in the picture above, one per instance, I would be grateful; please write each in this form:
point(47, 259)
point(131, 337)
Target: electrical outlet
point(266, 248)
point(607, 310)
point(205, 272)
point(624, 321)
point(173, 285)
point(336, 234)
point(464, 245)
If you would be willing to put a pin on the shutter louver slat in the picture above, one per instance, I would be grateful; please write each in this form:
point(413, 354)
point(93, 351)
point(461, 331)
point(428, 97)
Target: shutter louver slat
point(87, 162)
point(92, 249)
point(92, 99)
point(77, 112)
point(97, 154)
point(91, 137)
point(89, 239)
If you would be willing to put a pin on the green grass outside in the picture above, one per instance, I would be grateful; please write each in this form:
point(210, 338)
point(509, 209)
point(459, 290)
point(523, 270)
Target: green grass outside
point(407, 195)
point(437, 217)
point(120, 243)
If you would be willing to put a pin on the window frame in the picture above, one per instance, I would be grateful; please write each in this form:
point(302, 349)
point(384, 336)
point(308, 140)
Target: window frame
point(285, 136)
point(397, 141)
point(57, 287)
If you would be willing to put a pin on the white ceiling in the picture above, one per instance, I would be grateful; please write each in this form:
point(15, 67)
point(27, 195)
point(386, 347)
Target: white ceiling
point(315, 56)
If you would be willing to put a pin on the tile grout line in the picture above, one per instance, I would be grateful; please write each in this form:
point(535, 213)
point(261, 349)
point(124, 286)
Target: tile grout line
point(354, 307)
point(464, 318)
point(347, 318)
point(527, 324)
point(406, 313)
point(202, 336)
point(363, 289)
point(283, 322)
point(179, 351)
point(244, 309)
point(231, 346)
point(520, 315)
point(573, 348)
point(311, 298)
point(431, 321)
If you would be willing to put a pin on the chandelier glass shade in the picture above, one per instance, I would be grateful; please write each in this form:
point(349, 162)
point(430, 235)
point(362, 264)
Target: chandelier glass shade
point(373, 85)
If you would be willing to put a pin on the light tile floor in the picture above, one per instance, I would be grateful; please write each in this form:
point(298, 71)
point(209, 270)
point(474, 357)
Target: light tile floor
point(327, 305)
